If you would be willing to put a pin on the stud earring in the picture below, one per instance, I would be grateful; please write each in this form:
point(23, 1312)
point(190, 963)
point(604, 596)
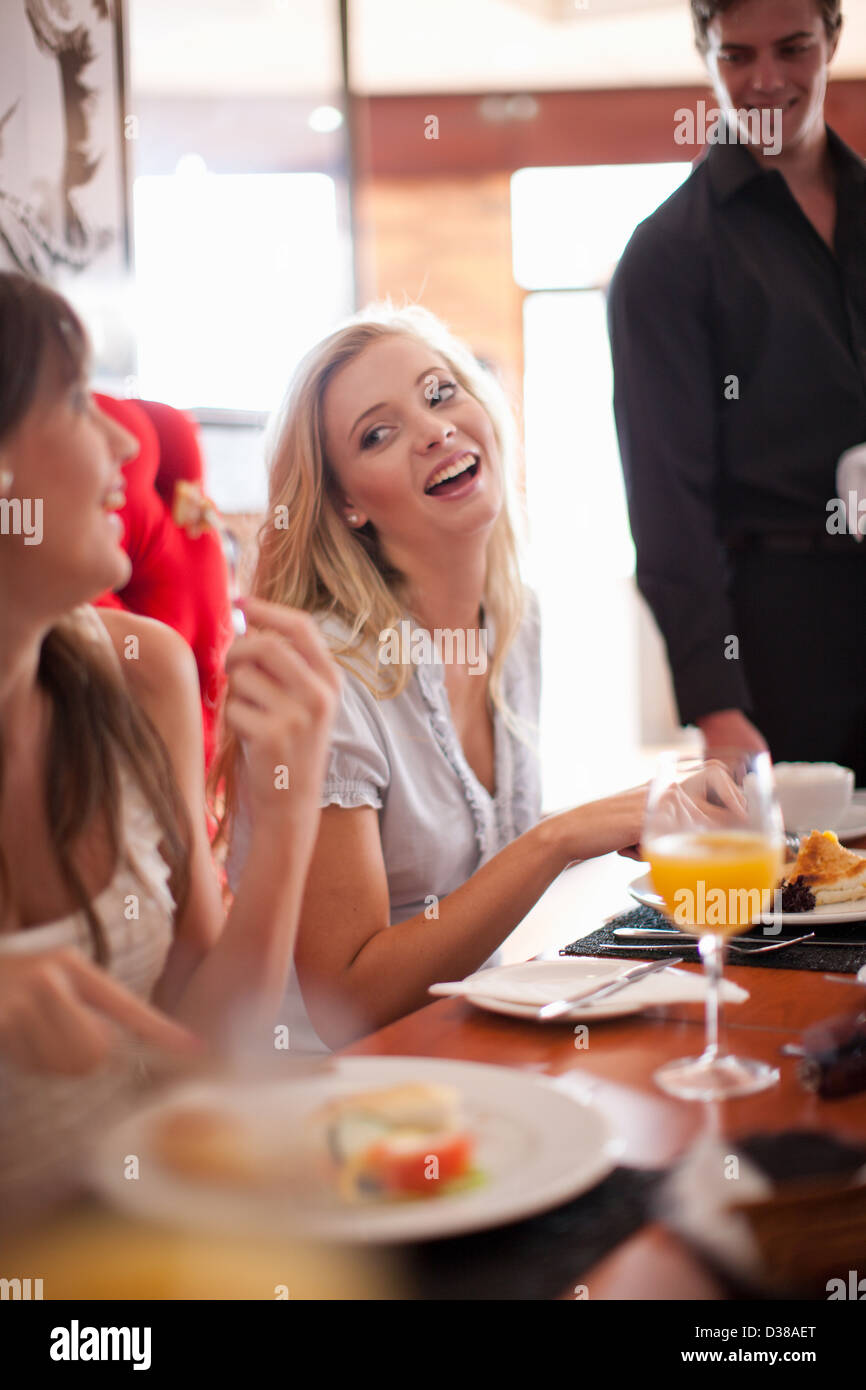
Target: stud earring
point(6, 481)
point(353, 517)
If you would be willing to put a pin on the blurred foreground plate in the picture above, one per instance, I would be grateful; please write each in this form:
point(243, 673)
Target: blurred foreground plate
point(537, 1146)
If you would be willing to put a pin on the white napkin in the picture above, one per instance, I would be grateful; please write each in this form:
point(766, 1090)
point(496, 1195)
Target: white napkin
point(695, 1202)
point(514, 992)
point(544, 982)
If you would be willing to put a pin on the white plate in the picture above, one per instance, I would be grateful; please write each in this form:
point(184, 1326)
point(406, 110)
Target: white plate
point(536, 1144)
point(567, 975)
point(853, 822)
point(825, 915)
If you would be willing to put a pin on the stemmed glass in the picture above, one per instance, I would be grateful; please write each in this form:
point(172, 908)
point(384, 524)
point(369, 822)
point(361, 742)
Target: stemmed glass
point(714, 839)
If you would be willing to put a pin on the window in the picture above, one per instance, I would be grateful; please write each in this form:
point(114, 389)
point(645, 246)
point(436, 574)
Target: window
point(606, 689)
point(236, 276)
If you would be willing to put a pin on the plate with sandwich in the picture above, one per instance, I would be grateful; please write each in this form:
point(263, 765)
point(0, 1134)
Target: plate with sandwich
point(369, 1149)
point(852, 822)
point(824, 886)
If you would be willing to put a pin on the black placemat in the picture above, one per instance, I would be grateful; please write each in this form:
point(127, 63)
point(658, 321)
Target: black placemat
point(539, 1258)
point(545, 1256)
point(797, 1154)
point(836, 959)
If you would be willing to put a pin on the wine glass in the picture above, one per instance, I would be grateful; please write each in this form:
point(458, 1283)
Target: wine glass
point(714, 839)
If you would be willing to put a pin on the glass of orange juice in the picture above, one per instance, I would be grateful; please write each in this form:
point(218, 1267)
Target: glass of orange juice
point(714, 839)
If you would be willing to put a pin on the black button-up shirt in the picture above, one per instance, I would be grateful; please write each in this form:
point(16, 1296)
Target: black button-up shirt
point(739, 351)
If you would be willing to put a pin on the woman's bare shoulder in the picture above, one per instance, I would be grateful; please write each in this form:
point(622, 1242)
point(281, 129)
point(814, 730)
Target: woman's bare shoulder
point(157, 664)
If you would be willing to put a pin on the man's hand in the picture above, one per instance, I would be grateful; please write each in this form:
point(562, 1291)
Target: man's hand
point(729, 728)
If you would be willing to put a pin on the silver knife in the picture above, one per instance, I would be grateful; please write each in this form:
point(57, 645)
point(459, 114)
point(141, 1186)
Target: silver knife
point(564, 1006)
point(661, 934)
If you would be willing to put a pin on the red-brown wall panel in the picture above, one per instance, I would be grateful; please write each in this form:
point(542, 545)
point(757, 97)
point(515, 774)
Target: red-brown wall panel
point(601, 127)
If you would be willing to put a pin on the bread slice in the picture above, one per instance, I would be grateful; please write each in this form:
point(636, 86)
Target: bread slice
point(410, 1106)
point(222, 1146)
point(833, 873)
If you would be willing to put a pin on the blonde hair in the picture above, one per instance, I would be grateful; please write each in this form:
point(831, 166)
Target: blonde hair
point(317, 563)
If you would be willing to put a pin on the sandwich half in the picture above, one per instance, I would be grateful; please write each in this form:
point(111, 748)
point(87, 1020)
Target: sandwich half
point(830, 872)
point(403, 1141)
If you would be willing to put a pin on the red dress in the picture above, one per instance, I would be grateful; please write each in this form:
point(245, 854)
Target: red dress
point(178, 576)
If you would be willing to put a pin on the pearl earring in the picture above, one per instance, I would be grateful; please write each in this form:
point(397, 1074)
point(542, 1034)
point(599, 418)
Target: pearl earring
point(353, 517)
point(6, 480)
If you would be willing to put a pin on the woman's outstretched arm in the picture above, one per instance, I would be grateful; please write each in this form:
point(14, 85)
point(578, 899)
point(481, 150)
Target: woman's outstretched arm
point(358, 973)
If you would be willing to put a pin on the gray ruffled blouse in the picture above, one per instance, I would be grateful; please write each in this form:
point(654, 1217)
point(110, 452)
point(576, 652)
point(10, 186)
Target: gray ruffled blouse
point(402, 756)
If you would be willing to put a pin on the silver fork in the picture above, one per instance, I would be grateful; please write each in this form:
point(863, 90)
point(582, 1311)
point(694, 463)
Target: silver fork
point(735, 950)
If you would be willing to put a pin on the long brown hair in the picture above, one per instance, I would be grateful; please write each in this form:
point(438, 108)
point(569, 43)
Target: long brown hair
point(94, 722)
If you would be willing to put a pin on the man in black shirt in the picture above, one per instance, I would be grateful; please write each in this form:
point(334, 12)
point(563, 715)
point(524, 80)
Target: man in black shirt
point(738, 329)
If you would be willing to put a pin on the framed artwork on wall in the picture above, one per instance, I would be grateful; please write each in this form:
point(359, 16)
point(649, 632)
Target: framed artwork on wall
point(64, 204)
point(64, 167)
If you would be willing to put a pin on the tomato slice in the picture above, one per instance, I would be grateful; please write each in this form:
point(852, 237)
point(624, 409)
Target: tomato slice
point(420, 1163)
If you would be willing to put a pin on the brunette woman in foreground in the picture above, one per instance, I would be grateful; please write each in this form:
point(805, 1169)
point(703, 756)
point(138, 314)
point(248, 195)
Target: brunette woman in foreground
point(111, 920)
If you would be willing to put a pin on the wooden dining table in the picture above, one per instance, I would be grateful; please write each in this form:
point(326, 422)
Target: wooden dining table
point(614, 1070)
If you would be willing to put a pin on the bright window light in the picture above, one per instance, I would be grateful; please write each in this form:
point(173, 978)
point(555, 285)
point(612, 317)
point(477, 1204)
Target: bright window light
point(575, 489)
point(570, 226)
point(605, 690)
point(237, 275)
